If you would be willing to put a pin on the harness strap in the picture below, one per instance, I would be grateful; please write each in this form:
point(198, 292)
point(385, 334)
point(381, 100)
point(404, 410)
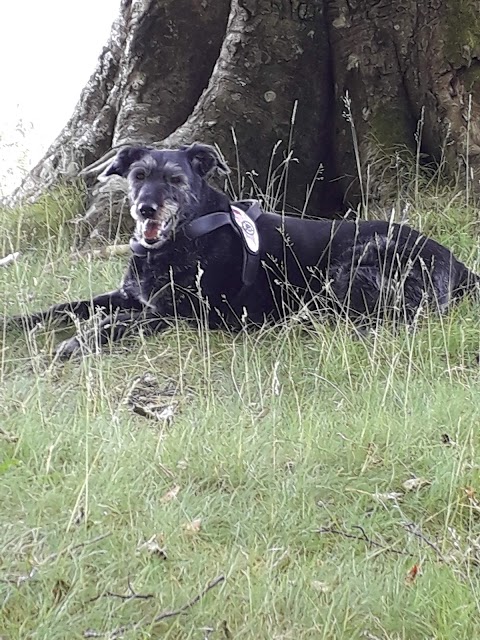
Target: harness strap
point(206, 224)
point(244, 224)
point(241, 218)
point(195, 229)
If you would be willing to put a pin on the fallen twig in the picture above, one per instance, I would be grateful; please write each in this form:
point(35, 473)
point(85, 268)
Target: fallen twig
point(363, 538)
point(415, 530)
point(120, 631)
point(145, 412)
point(133, 595)
point(146, 398)
point(160, 413)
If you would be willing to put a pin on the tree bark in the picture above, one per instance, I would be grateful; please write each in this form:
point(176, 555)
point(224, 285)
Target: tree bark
point(412, 72)
point(262, 92)
point(353, 85)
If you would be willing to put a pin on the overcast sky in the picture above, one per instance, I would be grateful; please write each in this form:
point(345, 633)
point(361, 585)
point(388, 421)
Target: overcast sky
point(48, 50)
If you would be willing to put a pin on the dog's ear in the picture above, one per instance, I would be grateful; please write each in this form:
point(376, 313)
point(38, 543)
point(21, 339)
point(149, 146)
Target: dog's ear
point(206, 160)
point(122, 162)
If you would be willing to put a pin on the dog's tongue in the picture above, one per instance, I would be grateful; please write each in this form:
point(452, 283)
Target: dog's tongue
point(150, 230)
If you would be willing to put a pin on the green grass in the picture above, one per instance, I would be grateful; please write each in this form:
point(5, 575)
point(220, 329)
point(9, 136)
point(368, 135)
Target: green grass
point(48, 220)
point(277, 435)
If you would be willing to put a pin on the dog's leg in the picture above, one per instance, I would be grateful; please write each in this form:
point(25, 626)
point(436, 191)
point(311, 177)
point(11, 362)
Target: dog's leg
point(112, 329)
point(83, 309)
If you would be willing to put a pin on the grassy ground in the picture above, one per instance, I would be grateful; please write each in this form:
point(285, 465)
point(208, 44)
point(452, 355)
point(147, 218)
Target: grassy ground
point(332, 481)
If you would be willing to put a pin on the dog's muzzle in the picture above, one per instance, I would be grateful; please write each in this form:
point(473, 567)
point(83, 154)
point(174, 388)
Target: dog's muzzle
point(154, 224)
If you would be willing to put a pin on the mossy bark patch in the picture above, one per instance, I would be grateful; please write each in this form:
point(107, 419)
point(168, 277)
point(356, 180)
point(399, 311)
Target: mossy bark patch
point(471, 80)
point(393, 126)
point(462, 41)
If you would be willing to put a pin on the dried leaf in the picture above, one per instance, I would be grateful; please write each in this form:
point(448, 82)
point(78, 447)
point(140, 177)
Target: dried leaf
point(471, 495)
point(10, 259)
point(392, 495)
point(412, 574)
point(171, 494)
point(60, 590)
point(321, 587)
point(415, 484)
point(264, 412)
point(167, 412)
point(372, 458)
point(194, 526)
point(79, 517)
point(163, 413)
point(154, 546)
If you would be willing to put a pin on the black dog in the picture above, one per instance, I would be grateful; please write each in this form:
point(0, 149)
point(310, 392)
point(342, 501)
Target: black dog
point(197, 255)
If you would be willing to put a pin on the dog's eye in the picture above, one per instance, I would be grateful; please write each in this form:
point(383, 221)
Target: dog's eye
point(176, 179)
point(140, 175)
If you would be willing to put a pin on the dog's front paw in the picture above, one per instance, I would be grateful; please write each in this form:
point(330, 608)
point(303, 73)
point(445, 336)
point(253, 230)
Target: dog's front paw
point(27, 323)
point(66, 349)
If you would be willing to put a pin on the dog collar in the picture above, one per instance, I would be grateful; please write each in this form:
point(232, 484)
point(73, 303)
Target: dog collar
point(241, 218)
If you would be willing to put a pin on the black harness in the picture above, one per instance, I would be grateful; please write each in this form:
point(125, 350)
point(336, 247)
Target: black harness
point(241, 217)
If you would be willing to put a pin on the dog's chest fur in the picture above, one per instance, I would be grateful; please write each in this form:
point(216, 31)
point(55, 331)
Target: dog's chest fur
point(171, 279)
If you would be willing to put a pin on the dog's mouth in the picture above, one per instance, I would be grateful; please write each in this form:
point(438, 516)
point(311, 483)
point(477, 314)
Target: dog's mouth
point(158, 229)
point(154, 231)
point(151, 230)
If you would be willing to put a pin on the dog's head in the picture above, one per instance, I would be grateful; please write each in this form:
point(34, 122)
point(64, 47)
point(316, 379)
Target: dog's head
point(165, 186)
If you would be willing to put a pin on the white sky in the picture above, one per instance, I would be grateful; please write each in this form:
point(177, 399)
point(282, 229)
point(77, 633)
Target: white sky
point(48, 50)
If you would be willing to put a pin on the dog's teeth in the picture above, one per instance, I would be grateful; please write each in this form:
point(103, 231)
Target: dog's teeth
point(150, 229)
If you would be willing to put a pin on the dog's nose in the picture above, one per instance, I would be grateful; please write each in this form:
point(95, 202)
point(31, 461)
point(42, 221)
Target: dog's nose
point(147, 210)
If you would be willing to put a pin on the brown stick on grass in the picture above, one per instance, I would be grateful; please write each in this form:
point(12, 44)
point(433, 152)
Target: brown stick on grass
point(120, 631)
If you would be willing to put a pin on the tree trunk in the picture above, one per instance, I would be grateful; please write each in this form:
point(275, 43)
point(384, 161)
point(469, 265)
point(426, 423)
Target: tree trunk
point(333, 88)
point(262, 92)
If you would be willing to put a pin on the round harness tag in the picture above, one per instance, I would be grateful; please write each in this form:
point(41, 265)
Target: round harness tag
point(247, 228)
